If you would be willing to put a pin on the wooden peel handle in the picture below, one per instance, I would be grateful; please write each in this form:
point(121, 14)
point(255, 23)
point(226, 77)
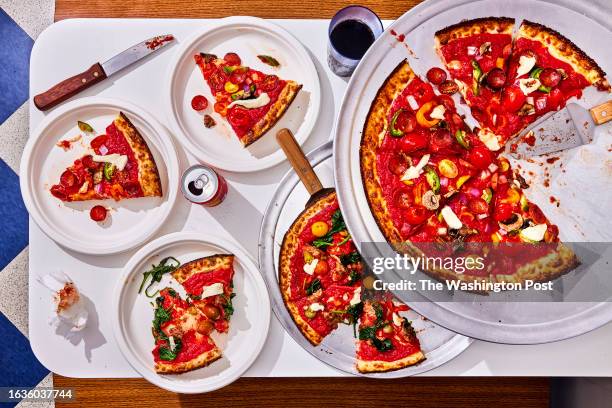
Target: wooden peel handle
point(602, 113)
point(69, 87)
point(298, 161)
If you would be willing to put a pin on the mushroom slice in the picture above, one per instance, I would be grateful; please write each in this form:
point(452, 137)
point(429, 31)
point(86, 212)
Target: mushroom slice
point(430, 200)
point(513, 223)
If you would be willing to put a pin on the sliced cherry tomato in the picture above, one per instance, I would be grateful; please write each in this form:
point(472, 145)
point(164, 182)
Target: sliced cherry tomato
point(447, 101)
point(269, 83)
point(503, 212)
point(98, 213)
point(59, 192)
point(99, 141)
point(414, 141)
point(89, 163)
point(232, 58)
point(404, 123)
point(199, 103)
point(436, 75)
point(68, 179)
point(555, 97)
point(478, 205)
point(403, 198)
point(512, 99)
point(416, 214)
point(397, 164)
point(239, 117)
point(480, 157)
point(221, 108)
point(423, 93)
point(238, 76)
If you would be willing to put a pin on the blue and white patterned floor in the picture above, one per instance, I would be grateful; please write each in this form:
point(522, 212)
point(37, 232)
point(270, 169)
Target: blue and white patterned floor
point(21, 21)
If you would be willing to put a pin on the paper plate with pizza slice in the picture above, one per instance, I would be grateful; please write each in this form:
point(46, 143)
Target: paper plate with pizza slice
point(191, 312)
point(99, 176)
point(422, 163)
point(233, 85)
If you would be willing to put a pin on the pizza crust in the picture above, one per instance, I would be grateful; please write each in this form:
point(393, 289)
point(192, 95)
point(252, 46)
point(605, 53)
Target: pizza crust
point(202, 360)
point(374, 131)
point(276, 111)
point(148, 175)
point(202, 265)
point(467, 28)
point(544, 269)
point(289, 247)
point(563, 49)
point(379, 366)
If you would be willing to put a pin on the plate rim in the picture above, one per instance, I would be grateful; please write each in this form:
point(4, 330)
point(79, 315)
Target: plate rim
point(266, 261)
point(147, 251)
point(172, 115)
point(348, 192)
point(172, 169)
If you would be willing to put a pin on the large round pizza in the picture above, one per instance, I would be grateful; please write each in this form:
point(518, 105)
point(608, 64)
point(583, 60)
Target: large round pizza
point(436, 186)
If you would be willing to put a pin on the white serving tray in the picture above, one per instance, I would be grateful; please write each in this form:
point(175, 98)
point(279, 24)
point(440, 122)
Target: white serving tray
point(69, 47)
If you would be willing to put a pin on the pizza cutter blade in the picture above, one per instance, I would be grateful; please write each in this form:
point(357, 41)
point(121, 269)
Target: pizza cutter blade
point(566, 129)
point(302, 167)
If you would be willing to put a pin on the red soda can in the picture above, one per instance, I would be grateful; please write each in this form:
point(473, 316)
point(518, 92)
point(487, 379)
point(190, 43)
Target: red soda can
point(201, 184)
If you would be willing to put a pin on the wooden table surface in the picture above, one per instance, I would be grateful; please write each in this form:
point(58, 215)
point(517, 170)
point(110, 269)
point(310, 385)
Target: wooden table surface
point(271, 392)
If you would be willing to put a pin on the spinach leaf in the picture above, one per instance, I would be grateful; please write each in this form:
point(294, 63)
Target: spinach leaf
point(165, 353)
point(322, 242)
point(156, 273)
point(313, 287)
point(382, 345)
point(351, 258)
point(337, 226)
point(378, 311)
point(354, 312)
point(367, 333)
point(228, 307)
point(354, 277)
point(161, 316)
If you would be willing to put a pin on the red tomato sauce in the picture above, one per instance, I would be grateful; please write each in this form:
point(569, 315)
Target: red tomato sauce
point(195, 284)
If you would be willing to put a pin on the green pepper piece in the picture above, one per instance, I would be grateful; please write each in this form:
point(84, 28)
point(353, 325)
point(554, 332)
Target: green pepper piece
point(535, 73)
point(109, 170)
point(460, 136)
point(228, 69)
point(238, 95)
point(487, 195)
point(396, 132)
point(524, 203)
point(433, 179)
point(476, 74)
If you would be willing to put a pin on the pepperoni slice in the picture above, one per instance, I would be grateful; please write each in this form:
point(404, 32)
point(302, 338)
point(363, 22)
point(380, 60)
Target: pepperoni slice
point(232, 58)
point(403, 199)
point(239, 117)
point(98, 142)
point(199, 103)
point(269, 83)
point(98, 213)
point(89, 162)
point(397, 164)
point(216, 81)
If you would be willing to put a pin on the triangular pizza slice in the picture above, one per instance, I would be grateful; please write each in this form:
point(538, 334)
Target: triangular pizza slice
point(182, 335)
point(250, 100)
point(120, 166)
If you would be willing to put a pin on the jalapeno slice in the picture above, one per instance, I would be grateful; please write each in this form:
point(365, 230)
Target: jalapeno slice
point(461, 139)
point(433, 179)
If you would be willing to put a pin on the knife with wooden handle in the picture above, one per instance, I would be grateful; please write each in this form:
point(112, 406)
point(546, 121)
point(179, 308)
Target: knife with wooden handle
point(99, 72)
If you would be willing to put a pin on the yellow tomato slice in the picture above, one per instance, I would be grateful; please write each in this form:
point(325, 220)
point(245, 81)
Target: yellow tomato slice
point(448, 168)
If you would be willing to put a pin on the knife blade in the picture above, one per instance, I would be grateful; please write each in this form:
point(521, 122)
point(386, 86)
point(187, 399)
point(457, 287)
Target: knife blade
point(98, 72)
point(565, 129)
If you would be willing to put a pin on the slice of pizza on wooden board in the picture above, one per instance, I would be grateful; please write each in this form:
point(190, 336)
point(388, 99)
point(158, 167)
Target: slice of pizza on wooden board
point(121, 166)
point(387, 341)
point(208, 282)
point(250, 100)
point(182, 335)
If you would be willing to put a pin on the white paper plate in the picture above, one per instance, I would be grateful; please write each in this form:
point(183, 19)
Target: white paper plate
point(133, 313)
point(248, 37)
point(130, 222)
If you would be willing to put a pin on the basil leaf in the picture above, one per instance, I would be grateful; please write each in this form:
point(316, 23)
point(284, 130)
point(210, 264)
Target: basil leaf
point(351, 258)
point(228, 307)
point(322, 242)
point(313, 287)
point(354, 277)
point(382, 345)
point(367, 333)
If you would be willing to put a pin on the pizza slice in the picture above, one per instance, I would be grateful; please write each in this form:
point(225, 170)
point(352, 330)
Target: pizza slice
point(251, 101)
point(182, 335)
point(121, 166)
point(208, 282)
point(475, 53)
point(544, 72)
point(387, 341)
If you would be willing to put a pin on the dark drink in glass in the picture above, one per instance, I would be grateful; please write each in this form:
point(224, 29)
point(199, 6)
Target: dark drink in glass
point(351, 32)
